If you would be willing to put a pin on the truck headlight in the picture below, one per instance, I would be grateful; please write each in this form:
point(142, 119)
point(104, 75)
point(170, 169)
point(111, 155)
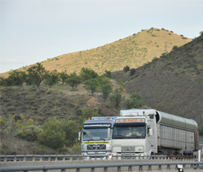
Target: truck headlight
point(142, 154)
point(109, 155)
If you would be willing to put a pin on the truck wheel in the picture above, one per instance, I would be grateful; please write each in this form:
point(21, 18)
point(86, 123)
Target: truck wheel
point(152, 155)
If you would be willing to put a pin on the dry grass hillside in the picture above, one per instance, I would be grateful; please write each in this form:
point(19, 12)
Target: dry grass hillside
point(173, 83)
point(59, 101)
point(135, 50)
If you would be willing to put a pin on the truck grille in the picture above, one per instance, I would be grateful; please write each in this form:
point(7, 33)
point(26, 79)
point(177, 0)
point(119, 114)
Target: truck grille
point(128, 149)
point(96, 147)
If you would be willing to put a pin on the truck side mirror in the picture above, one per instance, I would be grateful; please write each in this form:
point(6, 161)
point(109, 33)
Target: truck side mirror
point(79, 133)
point(150, 132)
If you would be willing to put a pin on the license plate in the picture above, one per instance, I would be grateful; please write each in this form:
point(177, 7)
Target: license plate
point(127, 156)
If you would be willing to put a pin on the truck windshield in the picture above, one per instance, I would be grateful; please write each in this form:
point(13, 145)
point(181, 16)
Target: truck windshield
point(129, 132)
point(90, 134)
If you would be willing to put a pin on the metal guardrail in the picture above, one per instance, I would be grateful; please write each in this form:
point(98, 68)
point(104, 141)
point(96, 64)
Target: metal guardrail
point(105, 166)
point(6, 158)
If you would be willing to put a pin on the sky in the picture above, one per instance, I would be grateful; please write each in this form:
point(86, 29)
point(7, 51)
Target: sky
point(32, 31)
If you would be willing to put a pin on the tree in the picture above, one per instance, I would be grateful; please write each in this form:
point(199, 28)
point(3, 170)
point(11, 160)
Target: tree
point(53, 135)
point(106, 90)
point(107, 73)
point(15, 78)
point(87, 112)
point(4, 81)
point(71, 131)
point(73, 80)
point(36, 73)
point(175, 47)
point(126, 68)
point(63, 76)
point(51, 78)
point(135, 101)
point(29, 80)
point(92, 84)
point(116, 97)
point(87, 73)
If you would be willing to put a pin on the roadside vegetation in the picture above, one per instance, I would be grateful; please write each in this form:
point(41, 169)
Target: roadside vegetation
point(44, 107)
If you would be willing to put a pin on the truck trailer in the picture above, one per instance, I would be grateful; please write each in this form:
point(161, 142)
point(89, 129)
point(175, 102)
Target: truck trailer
point(146, 132)
point(96, 137)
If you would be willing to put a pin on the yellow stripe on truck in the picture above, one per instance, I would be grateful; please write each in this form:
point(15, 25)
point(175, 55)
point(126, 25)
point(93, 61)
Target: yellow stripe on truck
point(95, 142)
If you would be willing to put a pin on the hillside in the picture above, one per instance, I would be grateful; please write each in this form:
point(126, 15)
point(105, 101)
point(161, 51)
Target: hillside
point(59, 101)
point(135, 50)
point(173, 83)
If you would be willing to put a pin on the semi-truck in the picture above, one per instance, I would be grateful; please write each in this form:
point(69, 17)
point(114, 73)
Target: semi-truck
point(146, 132)
point(96, 137)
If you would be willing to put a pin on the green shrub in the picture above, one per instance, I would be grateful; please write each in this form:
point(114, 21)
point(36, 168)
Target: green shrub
point(116, 97)
point(92, 84)
point(89, 112)
point(108, 73)
point(87, 73)
point(126, 68)
point(154, 59)
point(76, 149)
point(175, 47)
point(71, 131)
point(106, 90)
point(73, 80)
point(52, 139)
point(135, 101)
point(132, 71)
point(29, 132)
point(53, 135)
point(201, 131)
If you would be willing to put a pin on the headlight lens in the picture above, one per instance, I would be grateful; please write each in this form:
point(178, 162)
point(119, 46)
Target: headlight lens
point(142, 154)
point(109, 155)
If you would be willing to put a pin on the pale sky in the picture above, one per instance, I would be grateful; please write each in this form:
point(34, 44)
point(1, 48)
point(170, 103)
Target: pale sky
point(32, 31)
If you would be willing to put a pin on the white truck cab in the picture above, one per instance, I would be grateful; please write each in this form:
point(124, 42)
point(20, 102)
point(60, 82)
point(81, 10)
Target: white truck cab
point(134, 133)
point(96, 137)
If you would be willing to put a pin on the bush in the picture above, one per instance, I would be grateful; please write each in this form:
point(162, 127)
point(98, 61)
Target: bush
point(29, 132)
point(116, 97)
point(108, 74)
point(132, 71)
point(87, 112)
point(53, 135)
point(52, 139)
point(87, 73)
point(106, 90)
point(71, 131)
point(135, 101)
point(201, 131)
point(127, 68)
point(76, 149)
point(175, 47)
